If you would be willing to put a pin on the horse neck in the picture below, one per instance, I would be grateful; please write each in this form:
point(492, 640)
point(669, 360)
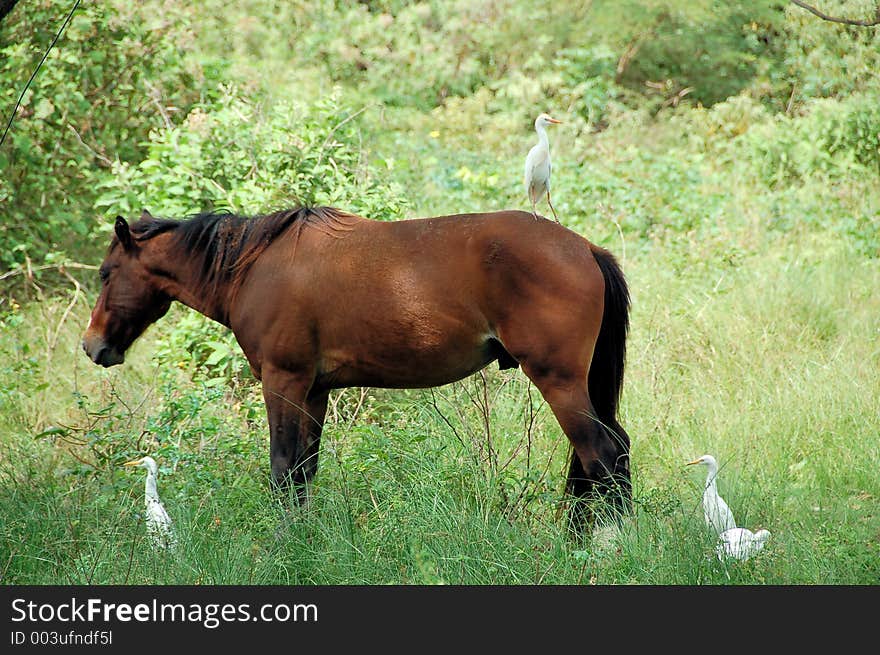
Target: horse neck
point(180, 277)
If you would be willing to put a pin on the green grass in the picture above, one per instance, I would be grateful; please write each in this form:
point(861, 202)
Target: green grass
point(766, 366)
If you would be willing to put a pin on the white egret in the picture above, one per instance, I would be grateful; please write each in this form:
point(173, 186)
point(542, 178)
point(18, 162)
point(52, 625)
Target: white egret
point(741, 543)
point(158, 522)
point(715, 510)
point(537, 170)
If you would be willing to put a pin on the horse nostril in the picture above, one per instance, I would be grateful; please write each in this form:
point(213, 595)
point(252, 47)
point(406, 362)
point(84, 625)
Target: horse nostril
point(108, 357)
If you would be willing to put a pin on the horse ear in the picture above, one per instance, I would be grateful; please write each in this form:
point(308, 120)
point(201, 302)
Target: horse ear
point(145, 215)
point(123, 233)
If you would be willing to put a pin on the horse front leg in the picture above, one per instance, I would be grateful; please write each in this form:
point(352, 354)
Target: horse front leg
point(311, 426)
point(296, 418)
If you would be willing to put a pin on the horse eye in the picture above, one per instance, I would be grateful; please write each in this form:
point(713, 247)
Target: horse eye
point(104, 273)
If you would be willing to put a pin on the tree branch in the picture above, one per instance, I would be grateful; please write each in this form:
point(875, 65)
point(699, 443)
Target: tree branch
point(871, 22)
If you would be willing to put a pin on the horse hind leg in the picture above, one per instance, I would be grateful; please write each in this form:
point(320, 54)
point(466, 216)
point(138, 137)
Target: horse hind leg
point(598, 478)
point(305, 464)
point(606, 491)
point(571, 345)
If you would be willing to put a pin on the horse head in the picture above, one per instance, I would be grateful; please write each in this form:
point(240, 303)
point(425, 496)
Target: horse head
point(131, 299)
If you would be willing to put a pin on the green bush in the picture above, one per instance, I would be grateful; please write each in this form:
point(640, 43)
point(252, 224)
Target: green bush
point(834, 138)
point(118, 71)
point(714, 49)
point(231, 154)
point(823, 59)
point(205, 349)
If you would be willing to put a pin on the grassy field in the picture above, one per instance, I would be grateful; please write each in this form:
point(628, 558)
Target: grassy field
point(767, 367)
point(755, 336)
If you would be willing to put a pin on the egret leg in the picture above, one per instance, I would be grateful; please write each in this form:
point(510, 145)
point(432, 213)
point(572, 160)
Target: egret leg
point(551, 207)
point(533, 200)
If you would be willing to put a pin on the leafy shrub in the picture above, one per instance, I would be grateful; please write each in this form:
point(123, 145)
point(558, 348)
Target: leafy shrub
point(203, 348)
point(588, 80)
point(118, 71)
point(835, 138)
point(822, 59)
point(724, 121)
point(230, 154)
point(420, 54)
point(714, 49)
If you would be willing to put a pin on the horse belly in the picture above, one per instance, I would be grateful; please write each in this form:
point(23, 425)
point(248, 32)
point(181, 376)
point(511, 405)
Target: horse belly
point(414, 359)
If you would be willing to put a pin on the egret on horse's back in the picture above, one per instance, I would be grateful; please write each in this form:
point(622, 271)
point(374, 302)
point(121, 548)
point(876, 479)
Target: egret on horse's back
point(538, 166)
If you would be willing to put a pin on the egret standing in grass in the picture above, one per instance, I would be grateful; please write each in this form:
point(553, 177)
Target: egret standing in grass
point(537, 173)
point(158, 522)
point(740, 543)
point(717, 513)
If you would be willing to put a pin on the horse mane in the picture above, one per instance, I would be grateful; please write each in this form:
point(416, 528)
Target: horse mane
point(226, 245)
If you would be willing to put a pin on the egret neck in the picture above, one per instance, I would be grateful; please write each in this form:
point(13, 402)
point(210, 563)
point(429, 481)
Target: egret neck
point(543, 140)
point(711, 475)
point(150, 491)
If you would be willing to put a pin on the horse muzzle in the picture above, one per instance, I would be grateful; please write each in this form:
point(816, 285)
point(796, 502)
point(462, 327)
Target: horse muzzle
point(100, 352)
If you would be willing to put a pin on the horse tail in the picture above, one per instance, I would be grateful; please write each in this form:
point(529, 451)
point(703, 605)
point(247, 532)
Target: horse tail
point(604, 383)
point(605, 379)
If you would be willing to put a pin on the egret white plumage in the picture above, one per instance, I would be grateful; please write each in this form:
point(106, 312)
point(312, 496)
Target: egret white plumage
point(537, 170)
point(158, 522)
point(716, 512)
point(741, 543)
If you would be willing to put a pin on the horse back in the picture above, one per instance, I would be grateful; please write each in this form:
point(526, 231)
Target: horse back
point(436, 293)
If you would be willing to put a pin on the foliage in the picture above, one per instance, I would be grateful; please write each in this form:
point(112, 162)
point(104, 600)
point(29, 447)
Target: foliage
point(206, 350)
point(118, 71)
point(418, 54)
point(827, 60)
point(835, 138)
point(230, 155)
point(714, 49)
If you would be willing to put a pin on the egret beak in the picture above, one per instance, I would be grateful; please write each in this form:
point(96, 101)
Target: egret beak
point(553, 120)
point(134, 462)
point(696, 461)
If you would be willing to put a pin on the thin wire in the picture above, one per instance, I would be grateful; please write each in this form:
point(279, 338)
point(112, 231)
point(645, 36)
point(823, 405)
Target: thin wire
point(36, 70)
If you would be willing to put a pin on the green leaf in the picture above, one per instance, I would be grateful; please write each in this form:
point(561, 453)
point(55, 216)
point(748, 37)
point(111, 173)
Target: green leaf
point(44, 109)
point(216, 357)
point(52, 432)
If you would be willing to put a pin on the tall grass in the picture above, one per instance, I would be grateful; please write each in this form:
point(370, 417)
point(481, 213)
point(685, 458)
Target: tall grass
point(767, 367)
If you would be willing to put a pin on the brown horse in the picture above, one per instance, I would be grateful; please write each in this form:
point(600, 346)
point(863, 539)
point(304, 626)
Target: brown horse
point(320, 299)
